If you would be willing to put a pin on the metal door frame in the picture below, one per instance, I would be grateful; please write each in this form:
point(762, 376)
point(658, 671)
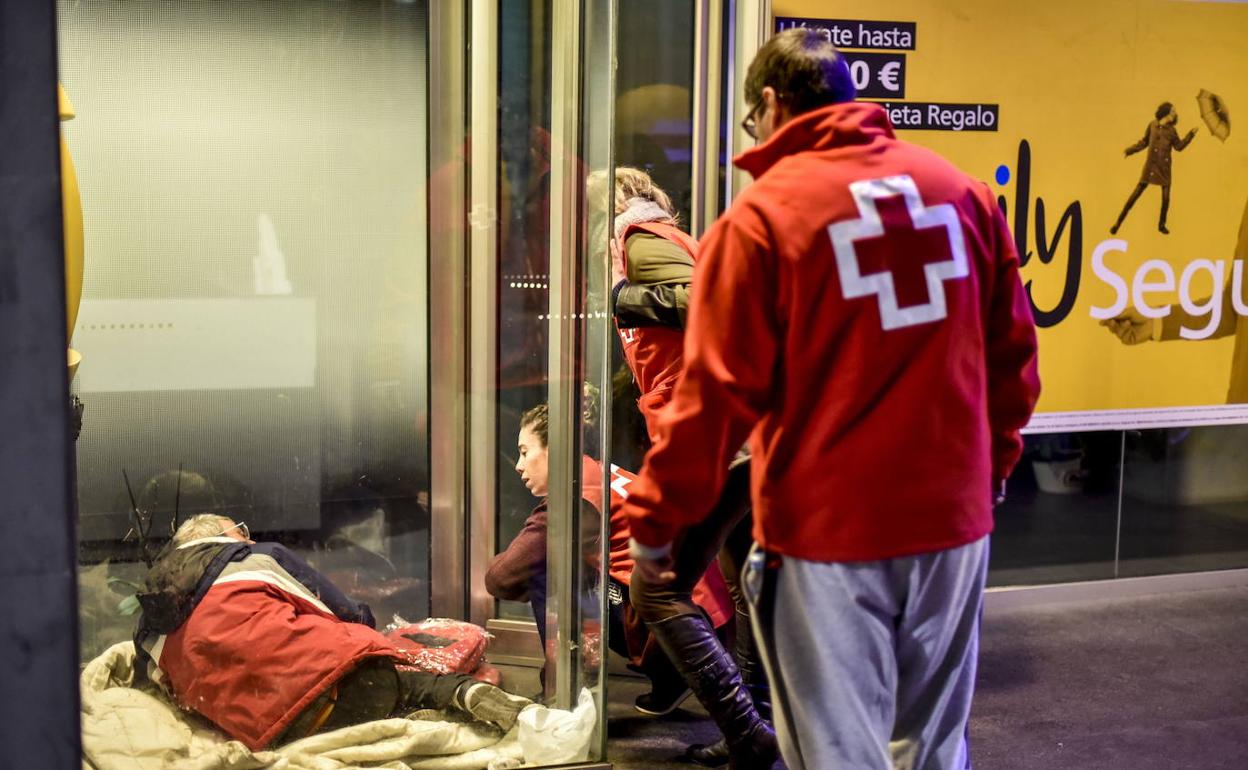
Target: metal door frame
point(39, 596)
point(464, 284)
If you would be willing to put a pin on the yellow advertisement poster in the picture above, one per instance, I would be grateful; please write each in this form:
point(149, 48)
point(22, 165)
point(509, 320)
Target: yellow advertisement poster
point(1115, 135)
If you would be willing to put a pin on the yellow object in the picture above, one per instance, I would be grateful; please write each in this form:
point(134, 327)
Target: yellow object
point(71, 205)
point(1077, 105)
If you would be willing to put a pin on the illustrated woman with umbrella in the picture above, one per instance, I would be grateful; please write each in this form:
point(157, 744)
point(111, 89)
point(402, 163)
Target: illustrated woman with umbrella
point(1159, 138)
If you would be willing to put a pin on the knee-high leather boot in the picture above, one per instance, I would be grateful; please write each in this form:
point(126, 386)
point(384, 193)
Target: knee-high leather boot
point(754, 677)
point(750, 663)
point(693, 648)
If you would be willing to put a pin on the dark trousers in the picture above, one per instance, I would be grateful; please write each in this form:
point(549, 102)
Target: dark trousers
point(373, 690)
point(726, 534)
point(617, 601)
point(627, 635)
point(630, 637)
point(1135, 196)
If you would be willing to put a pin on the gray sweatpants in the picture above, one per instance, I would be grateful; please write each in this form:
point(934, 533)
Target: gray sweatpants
point(872, 664)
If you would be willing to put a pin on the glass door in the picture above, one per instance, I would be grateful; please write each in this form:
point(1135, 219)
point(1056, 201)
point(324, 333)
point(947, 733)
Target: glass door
point(538, 335)
point(519, 329)
point(253, 329)
point(334, 254)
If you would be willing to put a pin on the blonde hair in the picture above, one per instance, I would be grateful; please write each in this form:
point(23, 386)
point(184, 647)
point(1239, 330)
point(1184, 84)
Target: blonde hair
point(630, 183)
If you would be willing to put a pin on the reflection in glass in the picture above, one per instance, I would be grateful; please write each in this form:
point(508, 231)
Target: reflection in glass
point(601, 620)
point(541, 171)
point(654, 133)
point(1092, 506)
point(654, 87)
point(523, 249)
point(253, 323)
point(1059, 520)
point(1185, 500)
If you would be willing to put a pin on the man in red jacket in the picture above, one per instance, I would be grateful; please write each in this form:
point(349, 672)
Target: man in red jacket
point(858, 315)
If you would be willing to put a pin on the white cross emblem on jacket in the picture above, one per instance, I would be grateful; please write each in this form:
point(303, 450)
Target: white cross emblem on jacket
point(855, 285)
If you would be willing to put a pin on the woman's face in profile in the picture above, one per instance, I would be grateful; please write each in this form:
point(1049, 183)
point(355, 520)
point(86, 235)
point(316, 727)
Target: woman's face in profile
point(531, 464)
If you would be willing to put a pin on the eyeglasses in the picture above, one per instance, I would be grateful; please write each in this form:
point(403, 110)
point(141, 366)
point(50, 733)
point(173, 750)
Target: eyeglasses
point(242, 530)
point(748, 125)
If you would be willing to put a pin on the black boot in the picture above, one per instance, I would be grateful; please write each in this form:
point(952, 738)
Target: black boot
point(754, 677)
point(690, 643)
point(713, 755)
point(750, 664)
point(717, 753)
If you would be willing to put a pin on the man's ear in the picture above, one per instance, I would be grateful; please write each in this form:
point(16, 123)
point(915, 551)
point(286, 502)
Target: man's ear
point(777, 112)
point(769, 98)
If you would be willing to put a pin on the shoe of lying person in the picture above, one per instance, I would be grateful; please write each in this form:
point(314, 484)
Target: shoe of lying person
point(488, 703)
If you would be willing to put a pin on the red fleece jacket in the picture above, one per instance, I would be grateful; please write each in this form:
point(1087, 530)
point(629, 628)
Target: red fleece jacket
point(858, 314)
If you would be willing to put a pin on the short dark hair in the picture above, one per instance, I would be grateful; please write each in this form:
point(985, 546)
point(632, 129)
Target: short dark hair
point(537, 420)
point(1164, 109)
point(803, 67)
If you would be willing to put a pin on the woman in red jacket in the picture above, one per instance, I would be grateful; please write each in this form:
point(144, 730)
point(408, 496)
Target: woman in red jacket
point(519, 572)
point(653, 264)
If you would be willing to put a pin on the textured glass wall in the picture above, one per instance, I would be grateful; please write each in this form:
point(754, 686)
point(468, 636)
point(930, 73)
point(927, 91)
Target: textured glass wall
point(1091, 506)
point(253, 180)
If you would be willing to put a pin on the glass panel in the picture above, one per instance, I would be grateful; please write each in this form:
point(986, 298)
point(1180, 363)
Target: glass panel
point(1185, 500)
point(1059, 521)
point(523, 257)
point(254, 317)
point(653, 132)
point(654, 107)
point(598, 342)
point(551, 337)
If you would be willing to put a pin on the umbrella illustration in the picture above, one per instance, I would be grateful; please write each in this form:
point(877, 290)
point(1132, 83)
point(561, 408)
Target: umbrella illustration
point(1213, 110)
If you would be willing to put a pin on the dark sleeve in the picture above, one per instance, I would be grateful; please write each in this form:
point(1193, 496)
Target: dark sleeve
point(1180, 143)
point(639, 305)
point(333, 598)
point(511, 572)
point(1140, 144)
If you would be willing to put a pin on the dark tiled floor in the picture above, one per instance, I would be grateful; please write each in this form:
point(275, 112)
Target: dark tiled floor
point(1158, 683)
point(1135, 684)
point(635, 741)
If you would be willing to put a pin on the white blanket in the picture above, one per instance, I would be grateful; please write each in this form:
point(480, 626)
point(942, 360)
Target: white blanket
point(128, 729)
